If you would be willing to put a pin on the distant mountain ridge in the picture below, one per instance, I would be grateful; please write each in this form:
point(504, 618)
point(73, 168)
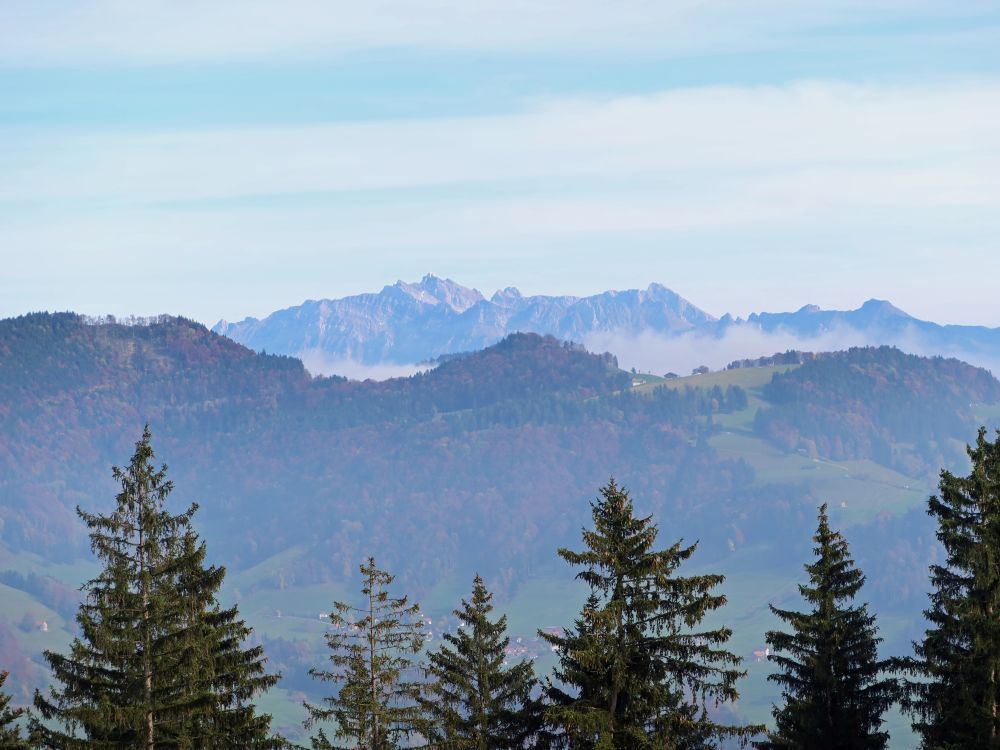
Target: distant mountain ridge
point(418, 322)
point(888, 322)
point(407, 323)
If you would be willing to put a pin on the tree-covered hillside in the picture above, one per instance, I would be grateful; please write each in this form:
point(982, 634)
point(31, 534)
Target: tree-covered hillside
point(485, 463)
point(477, 459)
point(906, 412)
point(488, 447)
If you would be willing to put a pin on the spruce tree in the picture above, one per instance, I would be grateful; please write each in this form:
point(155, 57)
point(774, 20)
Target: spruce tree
point(10, 734)
point(954, 695)
point(222, 674)
point(374, 648)
point(834, 687)
point(638, 672)
point(579, 677)
point(474, 701)
point(158, 663)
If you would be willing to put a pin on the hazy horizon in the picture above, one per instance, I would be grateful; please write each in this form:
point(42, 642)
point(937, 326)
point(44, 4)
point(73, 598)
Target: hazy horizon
point(487, 292)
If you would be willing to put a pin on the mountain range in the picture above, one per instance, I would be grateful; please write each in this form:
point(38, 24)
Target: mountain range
point(409, 323)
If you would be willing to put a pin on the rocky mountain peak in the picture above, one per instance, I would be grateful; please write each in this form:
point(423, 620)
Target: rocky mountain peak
point(508, 296)
point(882, 307)
point(433, 290)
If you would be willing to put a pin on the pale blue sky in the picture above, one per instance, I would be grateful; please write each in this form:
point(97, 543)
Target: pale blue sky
point(224, 158)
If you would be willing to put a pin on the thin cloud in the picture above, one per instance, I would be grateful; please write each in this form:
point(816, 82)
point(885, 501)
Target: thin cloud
point(686, 135)
point(874, 177)
point(318, 362)
point(50, 32)
point(659, 354)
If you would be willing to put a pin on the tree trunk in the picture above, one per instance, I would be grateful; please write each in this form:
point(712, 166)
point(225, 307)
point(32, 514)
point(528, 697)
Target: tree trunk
point(619, 595)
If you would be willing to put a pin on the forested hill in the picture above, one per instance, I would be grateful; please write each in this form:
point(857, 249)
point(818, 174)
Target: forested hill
point(176, 368)
point(256, 438)
point(486, 463)
point(479, 458)
point(902, 411)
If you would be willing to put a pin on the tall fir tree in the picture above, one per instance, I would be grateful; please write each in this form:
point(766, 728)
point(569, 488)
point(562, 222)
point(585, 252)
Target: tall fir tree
point(159, 664)
point(834, 687)
point(374, 649)
point(636, 672)
point(10, 733)
point(474, 700)
point(954, 691)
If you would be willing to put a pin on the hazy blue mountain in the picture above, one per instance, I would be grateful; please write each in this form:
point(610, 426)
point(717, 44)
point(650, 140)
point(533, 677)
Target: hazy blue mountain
point(812, 320)
point(407, 323)
point(884, 323)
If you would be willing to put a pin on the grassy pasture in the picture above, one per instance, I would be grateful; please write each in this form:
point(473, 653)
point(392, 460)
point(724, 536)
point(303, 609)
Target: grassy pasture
point(748, 377)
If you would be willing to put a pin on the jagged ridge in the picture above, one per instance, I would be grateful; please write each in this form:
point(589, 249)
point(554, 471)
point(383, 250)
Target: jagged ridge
point(418, 322)
point(406, 322)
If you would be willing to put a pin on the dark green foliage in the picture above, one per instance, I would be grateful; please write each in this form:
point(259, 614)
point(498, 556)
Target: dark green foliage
point(158, 663)
point(10, 735)
point(955, 698)
point(636, 672)
point(475, 701)
point(735, 399)
point(373, 656)
point(221, 674)
point(833, 685)
point(581, 678)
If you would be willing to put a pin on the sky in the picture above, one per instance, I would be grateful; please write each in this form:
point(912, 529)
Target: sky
point(225, 158)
